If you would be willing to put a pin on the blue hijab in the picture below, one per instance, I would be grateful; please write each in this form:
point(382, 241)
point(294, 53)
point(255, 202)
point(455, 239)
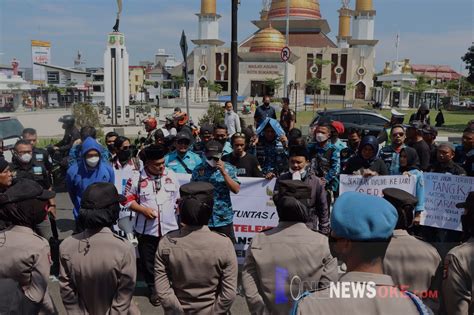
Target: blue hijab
point(371, 141)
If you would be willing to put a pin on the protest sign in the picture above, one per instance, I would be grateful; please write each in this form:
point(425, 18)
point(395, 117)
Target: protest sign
point(375, 184)
point(254, 210)
point(442, 193)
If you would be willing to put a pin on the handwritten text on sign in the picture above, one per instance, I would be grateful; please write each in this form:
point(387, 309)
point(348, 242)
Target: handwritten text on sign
point(442, 193)
point(375, 184)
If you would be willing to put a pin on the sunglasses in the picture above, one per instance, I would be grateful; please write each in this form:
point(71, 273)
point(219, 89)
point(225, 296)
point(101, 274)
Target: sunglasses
point(213, 158)
point(401, 134)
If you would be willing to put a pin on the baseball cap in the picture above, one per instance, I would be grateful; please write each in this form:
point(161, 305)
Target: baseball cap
point(213, 149)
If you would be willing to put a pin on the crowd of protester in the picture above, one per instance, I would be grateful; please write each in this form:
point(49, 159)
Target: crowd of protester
point(127, 193)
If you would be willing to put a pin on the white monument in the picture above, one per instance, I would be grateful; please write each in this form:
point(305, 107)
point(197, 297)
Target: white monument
point(116, 81)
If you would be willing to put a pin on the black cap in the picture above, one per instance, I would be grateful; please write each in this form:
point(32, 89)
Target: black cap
point(427, 129)
point(206, 129)
point(177, 109)
point(299, 150)
point(294, 188)
point(67, 119)
point(399, 198)
point(153, 152)
point(416, 124)
point(183, 136)
point(100, 196)
point(196, 204)
point(468, 203)
point(25, 189)
point(213, 149)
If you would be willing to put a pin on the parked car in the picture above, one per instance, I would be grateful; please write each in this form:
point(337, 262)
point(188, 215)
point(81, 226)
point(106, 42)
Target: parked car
point(10, 133)
point(371, 123)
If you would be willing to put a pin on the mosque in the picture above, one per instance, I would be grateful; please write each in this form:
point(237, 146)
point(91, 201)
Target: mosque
point(346, 67)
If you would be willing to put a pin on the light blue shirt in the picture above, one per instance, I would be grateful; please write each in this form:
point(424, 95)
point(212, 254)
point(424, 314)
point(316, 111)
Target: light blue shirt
point(190, 159)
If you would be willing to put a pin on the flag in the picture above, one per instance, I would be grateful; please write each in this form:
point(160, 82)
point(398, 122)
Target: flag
point(184, 45)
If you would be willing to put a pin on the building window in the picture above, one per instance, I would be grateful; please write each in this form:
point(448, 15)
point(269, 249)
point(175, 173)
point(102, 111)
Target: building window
point(53, 77)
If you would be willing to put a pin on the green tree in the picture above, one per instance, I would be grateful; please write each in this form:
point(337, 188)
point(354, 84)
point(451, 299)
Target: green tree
point(178, 80)
point(214, 87)
point(274, 84)
point(316, 85)
point(214, 115)
point(87, 115)
point(468, 59)
point(421, 86)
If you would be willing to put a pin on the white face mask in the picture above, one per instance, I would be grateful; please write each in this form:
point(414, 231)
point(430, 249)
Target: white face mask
point(298, 175)
point(26, 158)
point(93, 161)
point(321, 137)
point(211, 162)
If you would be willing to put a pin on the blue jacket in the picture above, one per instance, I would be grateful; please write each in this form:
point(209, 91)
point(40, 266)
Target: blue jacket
point(80, 176)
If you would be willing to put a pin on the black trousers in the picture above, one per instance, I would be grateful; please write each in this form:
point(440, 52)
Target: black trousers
point(228, 230)
point(147, 246)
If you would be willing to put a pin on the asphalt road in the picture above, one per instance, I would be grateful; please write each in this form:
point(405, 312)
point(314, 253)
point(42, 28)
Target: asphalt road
point(65, 224)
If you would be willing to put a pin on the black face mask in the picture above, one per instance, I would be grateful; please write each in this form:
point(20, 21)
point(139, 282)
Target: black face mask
point(110, 147)
point(124, 155)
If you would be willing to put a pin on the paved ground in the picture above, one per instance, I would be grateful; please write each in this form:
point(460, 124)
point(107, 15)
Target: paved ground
point(65, 224)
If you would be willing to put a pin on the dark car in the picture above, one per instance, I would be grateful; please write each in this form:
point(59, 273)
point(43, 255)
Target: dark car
point(369, 122)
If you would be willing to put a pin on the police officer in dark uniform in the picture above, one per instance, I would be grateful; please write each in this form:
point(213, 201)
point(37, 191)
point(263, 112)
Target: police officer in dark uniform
point(40, 156)
point(24, 166)
point(71, 134)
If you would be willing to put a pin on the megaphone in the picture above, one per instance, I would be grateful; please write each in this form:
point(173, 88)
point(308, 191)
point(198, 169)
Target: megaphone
point(125, 224)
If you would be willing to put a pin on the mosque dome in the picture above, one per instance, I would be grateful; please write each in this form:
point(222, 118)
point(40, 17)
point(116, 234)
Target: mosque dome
point(299, 9)
point(268, 40)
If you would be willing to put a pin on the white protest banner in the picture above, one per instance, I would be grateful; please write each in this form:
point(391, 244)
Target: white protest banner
point(375, 184)
point(254, 210)
point(442, 193)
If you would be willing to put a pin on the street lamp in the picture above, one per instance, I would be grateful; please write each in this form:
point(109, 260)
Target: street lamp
point(234, 56)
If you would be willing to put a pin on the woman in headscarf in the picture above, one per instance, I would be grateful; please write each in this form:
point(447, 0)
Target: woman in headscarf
point(410, 165)
point(366, 162)
point(25, 254)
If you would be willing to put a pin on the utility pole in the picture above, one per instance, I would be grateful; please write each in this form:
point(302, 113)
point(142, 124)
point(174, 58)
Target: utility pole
point(234, 80)
point(285, 84)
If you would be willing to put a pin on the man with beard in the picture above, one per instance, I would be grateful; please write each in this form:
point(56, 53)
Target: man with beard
point(98, 271)
point(270, 259)
point(362, 226)
point(458, 276)
point(26, 255)
point(300, 170)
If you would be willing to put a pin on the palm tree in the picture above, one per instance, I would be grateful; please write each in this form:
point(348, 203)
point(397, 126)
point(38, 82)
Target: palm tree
point(214, 87)
point(420, 87)
point(274, 84)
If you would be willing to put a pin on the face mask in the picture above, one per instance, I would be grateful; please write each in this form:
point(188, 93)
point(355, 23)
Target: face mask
point(110, 147)
point(26, 158)
point(123, 155)
point(298, 175)
point(93, 161)
point(211, 162)
point(321, 137)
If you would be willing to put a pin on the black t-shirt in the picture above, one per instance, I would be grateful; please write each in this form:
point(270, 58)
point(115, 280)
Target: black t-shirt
point(246, 166)
point(424, 153)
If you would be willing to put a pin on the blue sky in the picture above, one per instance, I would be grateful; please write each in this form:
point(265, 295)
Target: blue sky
point(432, 31)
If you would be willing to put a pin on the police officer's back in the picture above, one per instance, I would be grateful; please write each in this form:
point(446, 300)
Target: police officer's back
point(405, 253)
point(288, 250)
point(98, 269)
point(195, 268)
point(458, 275)
point(25, 254)
point(362, 226)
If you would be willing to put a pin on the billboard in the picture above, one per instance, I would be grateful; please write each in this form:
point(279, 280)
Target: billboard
point(40, 53)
